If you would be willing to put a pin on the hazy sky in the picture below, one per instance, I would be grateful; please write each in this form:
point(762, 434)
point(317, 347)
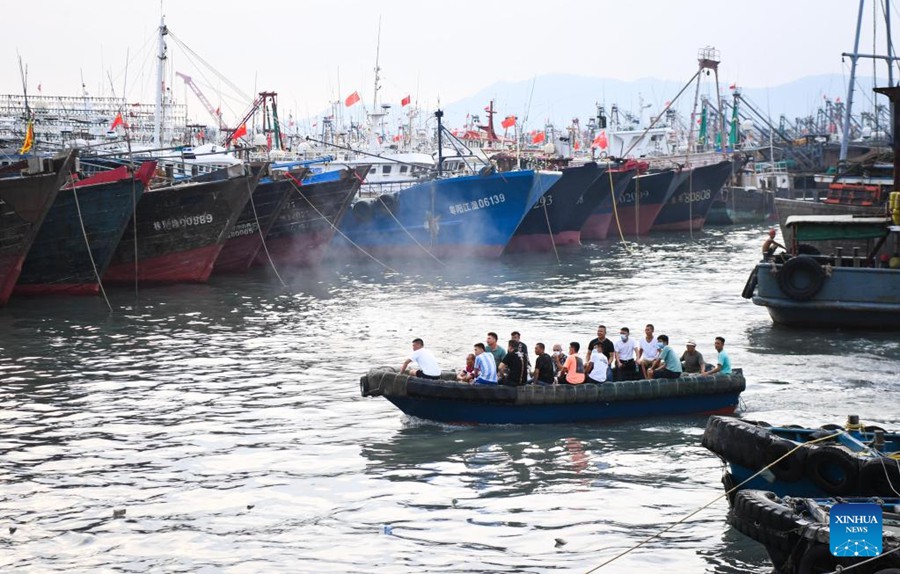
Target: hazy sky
point(315, 51)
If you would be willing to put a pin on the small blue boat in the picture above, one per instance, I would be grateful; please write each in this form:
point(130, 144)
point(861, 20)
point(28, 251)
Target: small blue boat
point(456, 217)
point(448, 401)
point(834, 460)
point(842, 288)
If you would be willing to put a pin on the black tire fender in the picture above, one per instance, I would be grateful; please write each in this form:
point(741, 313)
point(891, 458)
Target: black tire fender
point(750, 285)
point(364, 385)
point(801, 277)
point(790, 469)
point(362, 210)
point(880, 476)
point(833, 469)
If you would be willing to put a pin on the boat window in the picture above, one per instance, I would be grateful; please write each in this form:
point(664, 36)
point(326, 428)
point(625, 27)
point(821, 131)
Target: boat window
point(372, 170)
point(385, 169)
point(404, 168)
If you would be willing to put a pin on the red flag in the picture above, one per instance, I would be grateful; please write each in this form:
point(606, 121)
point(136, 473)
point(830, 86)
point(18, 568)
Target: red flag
point(577, 145)
point(509, 122)
point(241, 131)
point(117, 122)
point(732, 86)
point(600, 141)
point(538, 138)
point(405, 101)
point(351, 99)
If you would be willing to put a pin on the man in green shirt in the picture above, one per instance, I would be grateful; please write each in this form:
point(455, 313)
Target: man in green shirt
point(667, 365)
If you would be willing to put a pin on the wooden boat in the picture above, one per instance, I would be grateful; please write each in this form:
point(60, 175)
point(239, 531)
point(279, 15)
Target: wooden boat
point(27, 193)
point(800, 539)
point(843, 289)
point(448, 401)
point(849, 460)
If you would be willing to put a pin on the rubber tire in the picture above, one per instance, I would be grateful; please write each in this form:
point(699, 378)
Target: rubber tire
point(877, 480)
point(750, 285)
point(364, 385)
point(817, 559)
point(770, 517)
point(388, 202)
point(362, 210)
point(791, 469)
point(807, 249)
point(802, 265)
point(836, 457)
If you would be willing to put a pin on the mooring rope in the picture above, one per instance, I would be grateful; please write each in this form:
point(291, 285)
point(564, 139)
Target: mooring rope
point(262, 236)
point(296, 185)
point(612, 192)
point(550, 230)
point(713, 501)
point(405, 230)
point(87, 244)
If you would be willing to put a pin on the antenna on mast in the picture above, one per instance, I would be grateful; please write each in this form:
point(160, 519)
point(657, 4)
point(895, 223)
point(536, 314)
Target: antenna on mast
point(377, 68)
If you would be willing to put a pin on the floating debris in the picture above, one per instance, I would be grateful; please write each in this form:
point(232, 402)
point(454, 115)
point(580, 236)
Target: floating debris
point(250, 506)
point(12, 529)
point(560, 542)
point(118, 512)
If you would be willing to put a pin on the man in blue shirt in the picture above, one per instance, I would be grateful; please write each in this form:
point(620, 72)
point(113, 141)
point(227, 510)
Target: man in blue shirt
point(724, 363)
point(485, 367)
point(668, 364)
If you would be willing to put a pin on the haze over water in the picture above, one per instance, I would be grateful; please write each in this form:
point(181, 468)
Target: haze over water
point(225, 419)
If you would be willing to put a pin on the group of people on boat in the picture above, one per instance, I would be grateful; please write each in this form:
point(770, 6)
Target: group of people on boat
point(647, 357)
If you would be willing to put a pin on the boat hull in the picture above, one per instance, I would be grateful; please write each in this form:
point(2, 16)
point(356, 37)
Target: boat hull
point(60, 262)
point(447, 218)
point(596, 222)
point(640, 203)
point(25, 201)
point(304, 228)
point(180, 231)
point(850, 297)
point(448, 401)
point(692, 199)
point(549, 223)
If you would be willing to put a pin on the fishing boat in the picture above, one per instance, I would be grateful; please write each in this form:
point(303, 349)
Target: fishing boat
point(246, 239)
point(596, 222)
point(858, 289)
point(179, 229)
point(639, 203)
point(454, 217)
point(692, 199)
point(448, 401)
point(833, 460)
point(546, 224)
point(27, 192)
point(76, 243)
point(742, 204)
point(305, 226)
point(802, 535)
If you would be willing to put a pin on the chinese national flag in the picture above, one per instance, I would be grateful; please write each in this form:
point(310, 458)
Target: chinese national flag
point(577, 145)
point(508, 122)
point(405, 101)
point(732, 86)
point(117, 122)
point(600, 141)
point(538, 138)
point(241, 131)
point(351, 99)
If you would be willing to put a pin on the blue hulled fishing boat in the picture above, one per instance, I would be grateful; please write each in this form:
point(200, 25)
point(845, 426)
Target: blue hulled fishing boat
point(448, 401)
point(456, 217)
point(691, 201)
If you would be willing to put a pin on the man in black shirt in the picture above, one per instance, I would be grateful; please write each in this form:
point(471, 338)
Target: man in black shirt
point(512, 367)
point(543, 366)
point(521, 348)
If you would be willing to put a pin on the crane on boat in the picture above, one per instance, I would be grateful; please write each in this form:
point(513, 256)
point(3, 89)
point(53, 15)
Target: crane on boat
point(214, 112)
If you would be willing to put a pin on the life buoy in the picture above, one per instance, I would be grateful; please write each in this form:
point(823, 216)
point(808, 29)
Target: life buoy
point(791, 468)
point(801, 278)
point(362, 210)
point(750, 285)
point(833, 469)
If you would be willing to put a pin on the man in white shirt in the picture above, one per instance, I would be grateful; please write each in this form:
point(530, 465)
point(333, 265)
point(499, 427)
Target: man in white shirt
point(428, 365)
point(599, 364)
point(647, 351)
point(625, 369)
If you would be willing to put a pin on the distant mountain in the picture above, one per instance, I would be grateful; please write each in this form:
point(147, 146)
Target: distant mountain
point(561, 97)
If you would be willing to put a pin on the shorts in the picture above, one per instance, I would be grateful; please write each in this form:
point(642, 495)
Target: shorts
point(665, 374)
point(422, 375)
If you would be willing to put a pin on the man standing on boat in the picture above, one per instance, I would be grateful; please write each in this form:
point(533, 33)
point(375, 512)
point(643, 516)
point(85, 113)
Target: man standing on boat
point(724, 362)
point(428, 366)
point(608, 349)
point(485, 367)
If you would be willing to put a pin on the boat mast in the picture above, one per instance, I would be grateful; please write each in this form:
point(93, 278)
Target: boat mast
point(889, 59)
point(377, 67)
point(160, 83)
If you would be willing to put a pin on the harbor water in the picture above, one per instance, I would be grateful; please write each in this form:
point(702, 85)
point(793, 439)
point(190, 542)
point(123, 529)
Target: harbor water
point(219, 427)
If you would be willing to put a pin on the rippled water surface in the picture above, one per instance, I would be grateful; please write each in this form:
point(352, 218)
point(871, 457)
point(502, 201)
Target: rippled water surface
point(225, 420)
